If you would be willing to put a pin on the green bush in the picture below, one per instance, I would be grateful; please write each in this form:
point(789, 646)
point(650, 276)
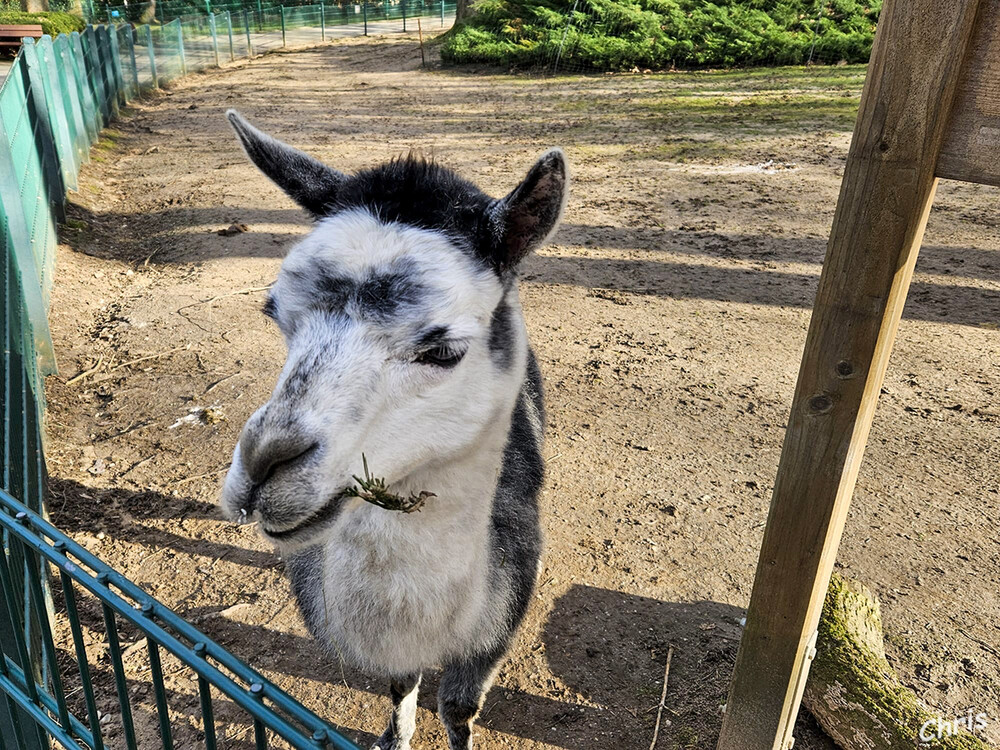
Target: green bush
point(663, 34)
point(53, 23)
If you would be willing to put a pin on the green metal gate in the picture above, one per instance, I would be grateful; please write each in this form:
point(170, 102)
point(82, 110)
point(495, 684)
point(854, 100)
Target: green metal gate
point(53, 104)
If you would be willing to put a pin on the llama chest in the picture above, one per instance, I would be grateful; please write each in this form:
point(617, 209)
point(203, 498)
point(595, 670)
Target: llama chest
point(397, 608)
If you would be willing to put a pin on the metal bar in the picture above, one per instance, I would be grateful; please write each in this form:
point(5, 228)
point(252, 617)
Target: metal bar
point(205, 693)
point(246, 27)
point(73, 615)
point(180, 46)
point(283, 26)
point(131, 53)
point(229, 29)
point(259, 733)
point(152, 56)
point(114, 647)
point(364, 10)
point(322, 22)
point(215, 39)
point(100, 587)
point(38, 600)
point(10, 598)
point(162, 711)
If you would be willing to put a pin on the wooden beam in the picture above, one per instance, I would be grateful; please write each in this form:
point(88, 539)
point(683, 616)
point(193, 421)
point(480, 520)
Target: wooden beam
point(884, 200)
point(971, 149)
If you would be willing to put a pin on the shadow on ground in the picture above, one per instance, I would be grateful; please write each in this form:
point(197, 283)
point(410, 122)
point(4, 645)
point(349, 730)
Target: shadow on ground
point(606, 649)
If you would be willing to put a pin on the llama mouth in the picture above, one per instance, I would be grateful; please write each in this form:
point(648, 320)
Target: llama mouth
point(327, 513)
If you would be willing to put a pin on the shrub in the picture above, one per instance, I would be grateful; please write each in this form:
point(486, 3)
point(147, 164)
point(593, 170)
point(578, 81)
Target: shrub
point(621, 34)
point(53, 23)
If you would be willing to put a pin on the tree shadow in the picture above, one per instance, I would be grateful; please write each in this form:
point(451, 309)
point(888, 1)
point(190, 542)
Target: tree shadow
point(928, 301)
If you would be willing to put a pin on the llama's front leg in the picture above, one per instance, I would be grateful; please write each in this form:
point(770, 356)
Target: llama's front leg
point(460, 696)
point(403, 721)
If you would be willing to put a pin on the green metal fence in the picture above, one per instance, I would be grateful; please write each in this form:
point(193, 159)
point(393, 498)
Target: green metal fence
point(56, 99)
point(311, 20)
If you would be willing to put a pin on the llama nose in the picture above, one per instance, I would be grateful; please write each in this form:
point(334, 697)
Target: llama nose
point(263, 451)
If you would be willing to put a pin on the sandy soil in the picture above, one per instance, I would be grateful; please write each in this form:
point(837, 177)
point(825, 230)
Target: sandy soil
point(669, 317)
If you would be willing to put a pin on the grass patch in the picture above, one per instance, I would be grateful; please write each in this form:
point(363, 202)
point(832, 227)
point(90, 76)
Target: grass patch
point(608, 35)
point(53, 23)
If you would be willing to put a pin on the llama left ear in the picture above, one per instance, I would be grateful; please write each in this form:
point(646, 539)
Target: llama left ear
point(526, 218)
point(307, 181)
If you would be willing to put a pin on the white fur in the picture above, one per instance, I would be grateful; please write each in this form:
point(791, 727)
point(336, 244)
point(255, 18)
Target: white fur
point(400, 592)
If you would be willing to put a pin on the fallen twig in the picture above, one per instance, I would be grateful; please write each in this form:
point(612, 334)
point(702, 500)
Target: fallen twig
point(663, 699)
point(222, 380)
point(201, 476)
point(987, 647)
point(85, 373)
point(149, 356)
point(248, 290)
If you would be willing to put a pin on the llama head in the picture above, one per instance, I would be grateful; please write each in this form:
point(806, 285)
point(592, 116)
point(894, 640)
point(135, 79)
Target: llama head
point(405, 339)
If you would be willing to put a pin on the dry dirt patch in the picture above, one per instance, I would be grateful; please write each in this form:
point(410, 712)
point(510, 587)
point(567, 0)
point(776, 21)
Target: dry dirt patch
point(669, 317)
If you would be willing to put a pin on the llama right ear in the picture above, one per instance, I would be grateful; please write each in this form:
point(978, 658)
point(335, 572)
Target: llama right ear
point(529, 215)
point(308, 182)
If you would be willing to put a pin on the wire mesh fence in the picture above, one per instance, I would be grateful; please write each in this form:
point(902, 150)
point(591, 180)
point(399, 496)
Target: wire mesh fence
point(56, 99)
point(284, 24)
point(68, 705)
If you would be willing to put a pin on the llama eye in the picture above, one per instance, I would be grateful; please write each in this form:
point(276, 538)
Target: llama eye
point(440, 356)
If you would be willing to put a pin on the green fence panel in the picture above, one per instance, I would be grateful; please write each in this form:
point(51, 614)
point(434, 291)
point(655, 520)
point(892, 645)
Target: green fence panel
point(56, 105)
point(85, 93)
point(62, 50)
point(37, 100)
point(94, 78)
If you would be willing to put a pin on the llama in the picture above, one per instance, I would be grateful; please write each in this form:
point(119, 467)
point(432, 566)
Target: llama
point(407, 348)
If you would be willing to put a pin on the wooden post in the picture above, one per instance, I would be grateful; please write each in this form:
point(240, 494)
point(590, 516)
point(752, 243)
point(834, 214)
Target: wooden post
point(888, 187)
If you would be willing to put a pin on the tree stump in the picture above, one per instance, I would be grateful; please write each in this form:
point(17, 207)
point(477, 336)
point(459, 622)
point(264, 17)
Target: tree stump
point(855, 694)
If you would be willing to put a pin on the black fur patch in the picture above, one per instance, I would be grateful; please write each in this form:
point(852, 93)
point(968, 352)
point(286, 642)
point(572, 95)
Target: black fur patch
point(502, 335)
point(305, 570)
point(381, 295)
point(434, 337)
point(421, 194)
point(270, 308)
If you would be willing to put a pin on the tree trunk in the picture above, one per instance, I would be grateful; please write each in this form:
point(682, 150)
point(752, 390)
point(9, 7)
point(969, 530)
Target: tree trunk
point(34, 6)
point(461, 11)
point(856, 696)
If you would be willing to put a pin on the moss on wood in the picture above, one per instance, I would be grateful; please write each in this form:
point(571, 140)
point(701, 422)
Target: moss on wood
point(852, 690)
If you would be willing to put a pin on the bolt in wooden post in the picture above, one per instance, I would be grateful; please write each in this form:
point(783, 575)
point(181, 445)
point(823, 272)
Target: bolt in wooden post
point(884, 201)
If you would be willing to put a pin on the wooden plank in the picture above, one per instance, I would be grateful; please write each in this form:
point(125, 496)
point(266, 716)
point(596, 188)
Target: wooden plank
point(971, 150)
point(884, 200)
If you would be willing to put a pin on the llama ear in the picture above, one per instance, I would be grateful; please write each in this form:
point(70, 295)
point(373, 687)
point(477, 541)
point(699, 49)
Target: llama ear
point(526, 218)
point(308, 182)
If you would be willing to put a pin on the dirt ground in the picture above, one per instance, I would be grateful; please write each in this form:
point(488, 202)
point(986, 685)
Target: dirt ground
point(669, 317)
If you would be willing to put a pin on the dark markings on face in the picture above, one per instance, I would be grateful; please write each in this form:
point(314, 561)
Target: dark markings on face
point(381, 295)
point(433, 337)
point(502, 335)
